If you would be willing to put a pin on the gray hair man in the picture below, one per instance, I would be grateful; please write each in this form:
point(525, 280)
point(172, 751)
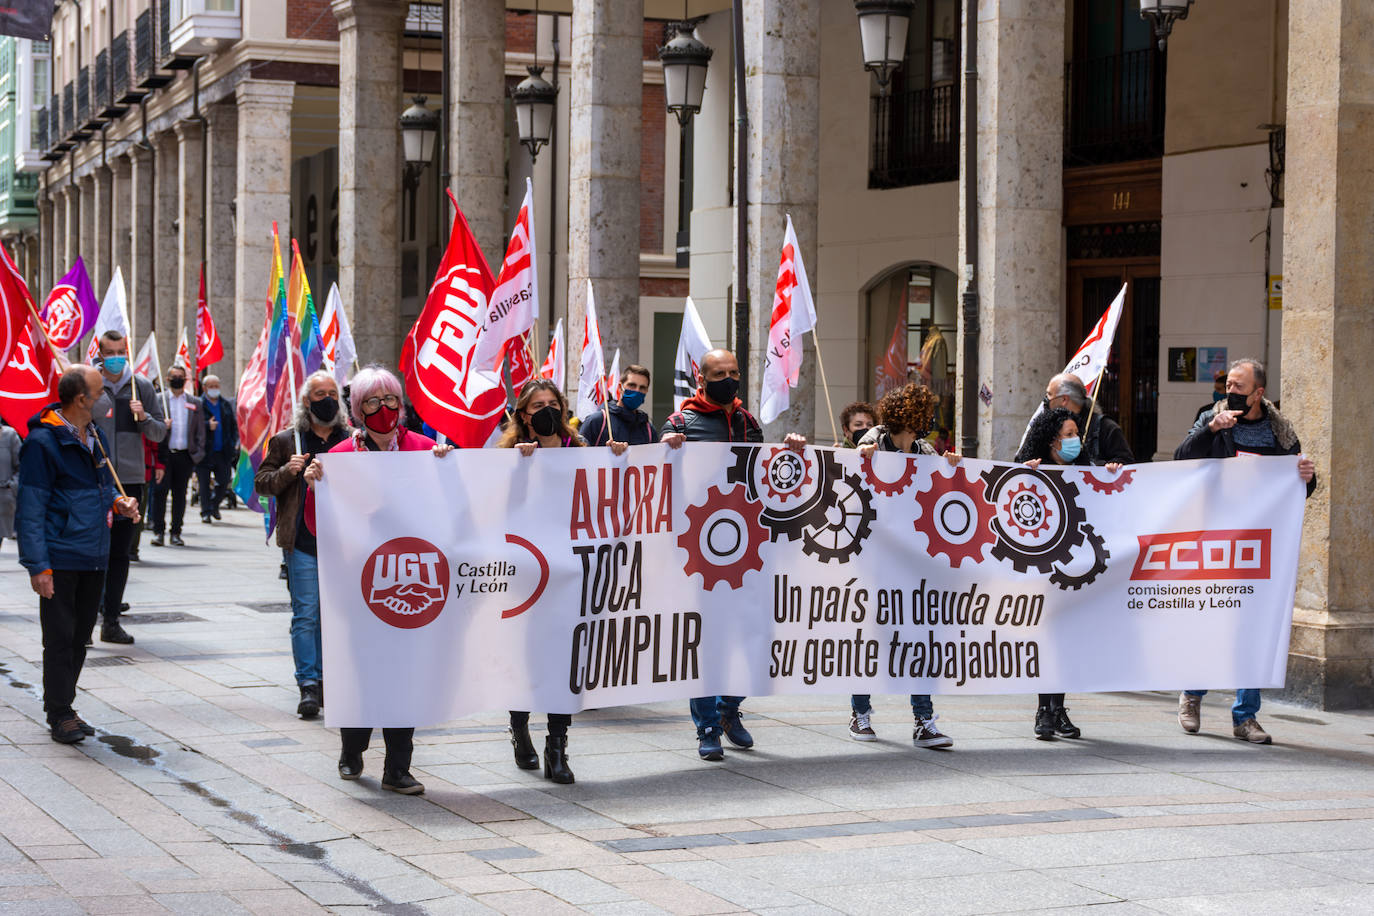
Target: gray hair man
point(1103, 439)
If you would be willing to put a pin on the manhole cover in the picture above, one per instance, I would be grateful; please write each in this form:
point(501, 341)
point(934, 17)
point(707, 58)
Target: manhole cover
point(271, 607)
point(161, 617)
point(108, 661)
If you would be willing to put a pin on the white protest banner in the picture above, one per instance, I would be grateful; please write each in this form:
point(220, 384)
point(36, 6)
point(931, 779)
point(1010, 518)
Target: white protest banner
point(576, 579)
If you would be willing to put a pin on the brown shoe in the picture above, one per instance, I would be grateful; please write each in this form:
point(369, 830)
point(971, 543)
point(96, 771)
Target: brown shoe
point(1190, 713)
point(67, 730)
point(1250, 730)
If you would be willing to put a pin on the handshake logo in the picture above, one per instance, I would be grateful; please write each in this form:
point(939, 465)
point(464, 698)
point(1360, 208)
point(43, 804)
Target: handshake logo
point(405, 582)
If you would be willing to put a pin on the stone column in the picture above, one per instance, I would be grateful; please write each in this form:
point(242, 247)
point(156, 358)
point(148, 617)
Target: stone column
point(262, 177)
point(1328, 336)
point(58, 242)
point(141, 240)
point(370, 173)
point(166, 269)
point(219, 271)
point(121, 222)
point(477, 125)
point(190, 195)
point(45, 243)
point(782, 63)
point(100, 268)
point(603, 174)
point(86, 238)
point(1020, 215)
point(71, 226)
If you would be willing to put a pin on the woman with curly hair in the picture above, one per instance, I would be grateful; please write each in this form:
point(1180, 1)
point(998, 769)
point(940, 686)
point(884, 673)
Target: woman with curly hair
point(1053, 437)
point(540, 420)
point(904, 418)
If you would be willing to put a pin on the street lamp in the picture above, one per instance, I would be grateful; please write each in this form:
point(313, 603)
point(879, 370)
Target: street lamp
point(1162, 14)
point(685, 61)
point(419, 128)
point(882, 29)
point(534, 101)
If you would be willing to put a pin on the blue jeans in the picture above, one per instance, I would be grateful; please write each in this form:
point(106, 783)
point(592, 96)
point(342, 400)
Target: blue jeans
point(921, 707)
point(1247, 703)
point(303, 580)
point(707, 711)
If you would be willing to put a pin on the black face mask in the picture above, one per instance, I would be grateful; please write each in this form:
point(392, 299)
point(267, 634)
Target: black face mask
point(545, 421)
point(1237, 402)
point(325, 409)
point(858, 434)
point(722, 390)
point(176, 384)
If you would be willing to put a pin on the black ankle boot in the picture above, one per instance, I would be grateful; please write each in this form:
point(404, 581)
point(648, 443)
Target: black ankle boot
point(526, 757)
point(1044, 723)
point(556, 760)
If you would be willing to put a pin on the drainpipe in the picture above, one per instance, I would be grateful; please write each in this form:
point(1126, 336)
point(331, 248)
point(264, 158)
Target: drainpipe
point(742, 316)
point(553, 173)
point(199, 117)
point(147, 145)
point(968, 419)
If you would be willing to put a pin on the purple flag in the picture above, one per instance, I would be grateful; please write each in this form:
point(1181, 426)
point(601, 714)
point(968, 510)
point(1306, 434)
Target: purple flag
point(71, 308)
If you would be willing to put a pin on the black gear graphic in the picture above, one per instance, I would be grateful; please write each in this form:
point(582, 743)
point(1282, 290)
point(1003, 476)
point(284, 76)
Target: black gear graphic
point(787, 521)
point(848, 523)
point(1020, 545)
point(1100, 557)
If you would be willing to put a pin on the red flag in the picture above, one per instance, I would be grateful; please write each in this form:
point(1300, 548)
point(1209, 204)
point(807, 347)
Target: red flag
point(891, 375)
point(209, 350)
point(28, 382)
point(554, 368)
point(15, 302)
point(521, 362)
point(453, 394)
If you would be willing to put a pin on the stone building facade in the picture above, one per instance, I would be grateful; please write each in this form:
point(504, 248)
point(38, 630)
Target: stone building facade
point(1222, 179)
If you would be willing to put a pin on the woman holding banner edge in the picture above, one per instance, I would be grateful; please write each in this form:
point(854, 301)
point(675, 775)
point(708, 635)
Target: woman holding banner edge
point(376, 405)
point(1053, 437)
point(540, 420)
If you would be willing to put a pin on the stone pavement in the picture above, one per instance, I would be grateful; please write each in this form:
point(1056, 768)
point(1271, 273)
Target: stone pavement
point(204, 793)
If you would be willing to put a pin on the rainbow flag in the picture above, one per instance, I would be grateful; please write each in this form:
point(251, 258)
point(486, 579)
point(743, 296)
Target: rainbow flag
point(278, 333)
point(305, 321)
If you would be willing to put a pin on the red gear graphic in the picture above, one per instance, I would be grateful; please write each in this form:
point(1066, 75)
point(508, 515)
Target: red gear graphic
point(927, 524)
point(783, 496)
point(734, 500)
point(1044, 505)
point(1107, 487)
point(883, 487)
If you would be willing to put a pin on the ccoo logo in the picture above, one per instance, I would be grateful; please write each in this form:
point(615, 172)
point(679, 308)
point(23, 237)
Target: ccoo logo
point(63, 322)
point(405, 582)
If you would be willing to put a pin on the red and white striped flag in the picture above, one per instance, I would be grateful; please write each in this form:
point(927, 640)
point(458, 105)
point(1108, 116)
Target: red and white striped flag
point(1092, 356)
point(183, 357)
point(514, 305)
point(146, 364)
point(337, 337)
point(613, 377)
point(794, 313)
point(591, 385)
point(555, 364)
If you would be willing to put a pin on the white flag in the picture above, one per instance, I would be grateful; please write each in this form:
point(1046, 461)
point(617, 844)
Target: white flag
point(114, 314)
point(555, 365)
point(613, 377)
point(1091, 357)
point(692, 345)
point(337, 337)
point(183, 355)
point(794, 313)
point(591, 386)
point(147, 364)
point(514, 304)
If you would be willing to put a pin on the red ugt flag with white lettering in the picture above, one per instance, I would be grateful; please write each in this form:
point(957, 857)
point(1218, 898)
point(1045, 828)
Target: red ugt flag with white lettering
point(453, 394)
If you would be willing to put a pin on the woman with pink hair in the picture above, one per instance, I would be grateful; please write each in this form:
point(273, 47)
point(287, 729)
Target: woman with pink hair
point(378, 410)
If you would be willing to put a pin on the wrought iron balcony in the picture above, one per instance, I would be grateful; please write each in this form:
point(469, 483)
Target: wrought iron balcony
point(105, 104)
point(83, 96)
point(147, 75)
point(56, 138)
point(1114, 108)
point(915, 138)
point(167, 57)
point(121, 71)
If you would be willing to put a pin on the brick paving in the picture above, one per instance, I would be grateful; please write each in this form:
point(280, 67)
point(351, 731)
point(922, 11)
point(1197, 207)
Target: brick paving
point(204, 793)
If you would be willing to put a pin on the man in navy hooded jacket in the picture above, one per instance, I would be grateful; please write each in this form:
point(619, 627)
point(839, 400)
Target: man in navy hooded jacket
point(67, 500)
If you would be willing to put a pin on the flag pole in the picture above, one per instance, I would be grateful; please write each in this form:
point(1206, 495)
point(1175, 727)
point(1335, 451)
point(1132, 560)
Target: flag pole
point(295, 395)
point(1092, 407)
point(829, 407)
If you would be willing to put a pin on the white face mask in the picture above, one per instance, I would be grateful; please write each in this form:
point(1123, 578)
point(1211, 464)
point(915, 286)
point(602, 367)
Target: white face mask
point(212, 393)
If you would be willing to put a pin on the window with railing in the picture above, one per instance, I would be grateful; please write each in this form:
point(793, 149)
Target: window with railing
point(1113, 87)
point(68, 108)
point(119, 66)
point(915, 125)
point(83, 95)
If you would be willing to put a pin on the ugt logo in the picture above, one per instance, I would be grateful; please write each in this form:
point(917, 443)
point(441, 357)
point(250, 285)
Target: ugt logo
point(405, 582)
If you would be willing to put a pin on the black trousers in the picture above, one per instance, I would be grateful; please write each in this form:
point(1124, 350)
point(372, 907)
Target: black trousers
point(1052, 700)
point(558, 722)
point(175, 480)
point(122, 537)
point(400, 744)
point(67, 619)
point(217, 464)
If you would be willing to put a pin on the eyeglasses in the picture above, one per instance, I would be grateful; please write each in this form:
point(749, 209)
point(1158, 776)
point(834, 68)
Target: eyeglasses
point(372, 405)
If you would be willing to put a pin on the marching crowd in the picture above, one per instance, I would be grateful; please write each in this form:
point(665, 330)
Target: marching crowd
point(112, 443)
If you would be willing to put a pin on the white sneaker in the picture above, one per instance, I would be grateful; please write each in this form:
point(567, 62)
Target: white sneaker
point(860, 728)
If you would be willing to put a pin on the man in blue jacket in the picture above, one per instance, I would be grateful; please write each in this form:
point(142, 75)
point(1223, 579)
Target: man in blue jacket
point(67, 500)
